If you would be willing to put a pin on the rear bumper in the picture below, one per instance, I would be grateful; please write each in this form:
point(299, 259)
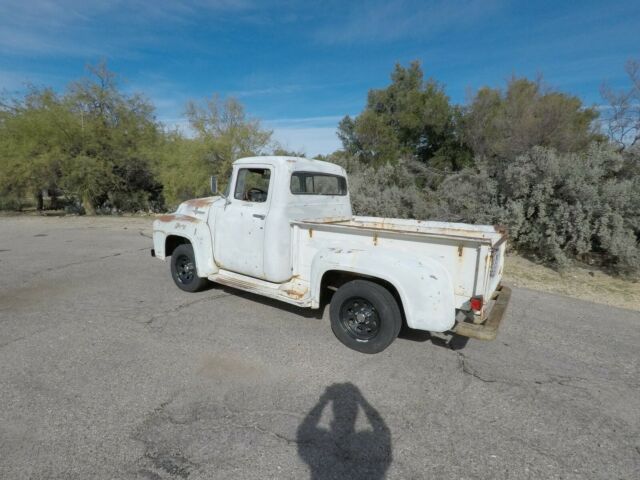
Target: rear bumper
point(489, 329)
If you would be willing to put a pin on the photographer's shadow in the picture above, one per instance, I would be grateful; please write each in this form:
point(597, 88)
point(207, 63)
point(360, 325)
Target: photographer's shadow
point(341, 451)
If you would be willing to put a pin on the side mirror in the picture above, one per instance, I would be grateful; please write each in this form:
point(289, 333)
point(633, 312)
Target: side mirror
point(214, 184)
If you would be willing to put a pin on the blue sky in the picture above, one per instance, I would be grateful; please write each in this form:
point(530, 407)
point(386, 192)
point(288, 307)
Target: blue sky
point(301, 66)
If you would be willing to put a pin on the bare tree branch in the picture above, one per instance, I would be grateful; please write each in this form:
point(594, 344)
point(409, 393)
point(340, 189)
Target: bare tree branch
point(622, 120)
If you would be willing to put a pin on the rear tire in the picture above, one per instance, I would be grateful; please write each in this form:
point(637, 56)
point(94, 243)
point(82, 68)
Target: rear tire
point(183, 269)
point(365, 316)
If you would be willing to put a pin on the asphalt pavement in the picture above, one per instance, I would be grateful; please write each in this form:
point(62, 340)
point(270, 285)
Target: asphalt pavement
point(107, 370)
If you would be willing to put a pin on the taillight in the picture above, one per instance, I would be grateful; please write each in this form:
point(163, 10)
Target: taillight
point(476, 303)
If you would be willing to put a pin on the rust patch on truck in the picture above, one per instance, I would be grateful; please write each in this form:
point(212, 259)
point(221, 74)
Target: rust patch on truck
point(460, 250)
point(176, 217)
point(294, 294)
point(199, 202)
point(311, 233)
point(375, 238)
point(293, 289)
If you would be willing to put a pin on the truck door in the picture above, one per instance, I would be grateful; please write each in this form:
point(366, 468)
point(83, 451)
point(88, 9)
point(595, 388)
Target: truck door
point(239, 229)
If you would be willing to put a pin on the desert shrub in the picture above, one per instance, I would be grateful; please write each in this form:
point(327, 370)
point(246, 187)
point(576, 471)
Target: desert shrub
point(391, 190)
point(556, 206)
point(11, 202)
point(468, 196)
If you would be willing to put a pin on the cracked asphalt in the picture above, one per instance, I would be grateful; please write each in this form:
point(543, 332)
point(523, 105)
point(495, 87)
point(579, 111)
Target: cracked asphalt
point(109, 371)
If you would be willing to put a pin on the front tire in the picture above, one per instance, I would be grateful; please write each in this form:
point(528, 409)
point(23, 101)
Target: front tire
point(183, 269)
point(365, 316)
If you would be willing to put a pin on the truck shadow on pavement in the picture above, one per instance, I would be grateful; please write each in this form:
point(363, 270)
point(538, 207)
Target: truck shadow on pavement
point(455, 343)
point(287, 307)
point(341, 451)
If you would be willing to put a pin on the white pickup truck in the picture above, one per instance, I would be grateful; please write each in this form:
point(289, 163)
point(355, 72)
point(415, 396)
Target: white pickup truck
point(284, 229)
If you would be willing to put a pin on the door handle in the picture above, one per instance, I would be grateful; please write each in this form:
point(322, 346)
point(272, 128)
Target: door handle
point(258, 215)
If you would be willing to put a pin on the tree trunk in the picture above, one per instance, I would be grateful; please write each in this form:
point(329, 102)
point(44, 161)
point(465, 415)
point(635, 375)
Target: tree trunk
point(87, 204)
point(39, 201)
point(53, 205)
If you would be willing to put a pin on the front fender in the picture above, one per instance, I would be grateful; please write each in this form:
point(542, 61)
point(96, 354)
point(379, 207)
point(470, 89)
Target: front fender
point(194, 230)
point(423, 284)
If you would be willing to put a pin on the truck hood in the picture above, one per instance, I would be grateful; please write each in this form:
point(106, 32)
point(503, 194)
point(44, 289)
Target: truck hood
point(197, 208)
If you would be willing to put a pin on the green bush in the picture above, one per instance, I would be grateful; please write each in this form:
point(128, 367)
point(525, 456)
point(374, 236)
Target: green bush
point(556, 206)
point(391, 190)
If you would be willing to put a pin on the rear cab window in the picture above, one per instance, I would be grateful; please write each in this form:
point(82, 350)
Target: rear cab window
point(314, 183)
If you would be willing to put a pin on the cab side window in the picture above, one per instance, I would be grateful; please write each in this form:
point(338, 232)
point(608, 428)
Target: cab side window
point(252, 184)
point(312, 183)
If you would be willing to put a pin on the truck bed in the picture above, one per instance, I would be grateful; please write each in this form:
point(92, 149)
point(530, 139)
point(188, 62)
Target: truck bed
point(472, 254)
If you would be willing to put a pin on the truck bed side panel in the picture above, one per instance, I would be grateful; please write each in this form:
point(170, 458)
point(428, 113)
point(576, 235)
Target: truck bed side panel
point(423, 284)
point(463, 258)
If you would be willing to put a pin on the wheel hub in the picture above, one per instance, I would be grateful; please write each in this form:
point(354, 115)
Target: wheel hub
point(360, 319)
point(185, 269)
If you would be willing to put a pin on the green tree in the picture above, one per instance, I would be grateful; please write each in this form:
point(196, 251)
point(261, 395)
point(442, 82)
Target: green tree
point(182, 168)
point(504, 124)
point(94, 142)
point(116, 135)
point(33, 131)
point(411, 117)
point(280, 151)
point(224, 132)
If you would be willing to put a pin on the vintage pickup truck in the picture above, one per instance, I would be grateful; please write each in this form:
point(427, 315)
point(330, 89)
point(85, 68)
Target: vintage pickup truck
point(284, 229)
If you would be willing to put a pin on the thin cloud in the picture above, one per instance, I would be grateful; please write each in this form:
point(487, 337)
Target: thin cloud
point(305, 121)
point(16, 41)
point(258, 92)
point(77, 28)
point(401, 19)
point(18, 81)
point(311, 135)
point(12, 81)
point(312, 141)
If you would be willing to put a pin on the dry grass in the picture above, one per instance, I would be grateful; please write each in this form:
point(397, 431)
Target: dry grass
point(577, 282)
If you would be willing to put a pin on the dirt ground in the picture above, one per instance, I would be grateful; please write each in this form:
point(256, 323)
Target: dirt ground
point(584, 283)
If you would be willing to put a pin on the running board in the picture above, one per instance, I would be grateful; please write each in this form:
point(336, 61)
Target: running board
point(295, 291)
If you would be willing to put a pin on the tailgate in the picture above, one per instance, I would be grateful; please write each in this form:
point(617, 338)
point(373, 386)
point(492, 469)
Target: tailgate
point(494, 266)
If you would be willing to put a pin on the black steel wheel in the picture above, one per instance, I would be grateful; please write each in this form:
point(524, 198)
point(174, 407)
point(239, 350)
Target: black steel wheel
point(183, 269)
point(359, 318)
point(365, 316)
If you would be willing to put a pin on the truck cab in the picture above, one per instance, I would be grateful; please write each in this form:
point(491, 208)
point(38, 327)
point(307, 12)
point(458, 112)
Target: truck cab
point(251, 229)
point(284, 228)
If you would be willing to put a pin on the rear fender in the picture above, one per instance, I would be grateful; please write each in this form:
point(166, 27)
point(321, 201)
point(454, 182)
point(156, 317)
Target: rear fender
point(194, 230)
point(423, 283)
